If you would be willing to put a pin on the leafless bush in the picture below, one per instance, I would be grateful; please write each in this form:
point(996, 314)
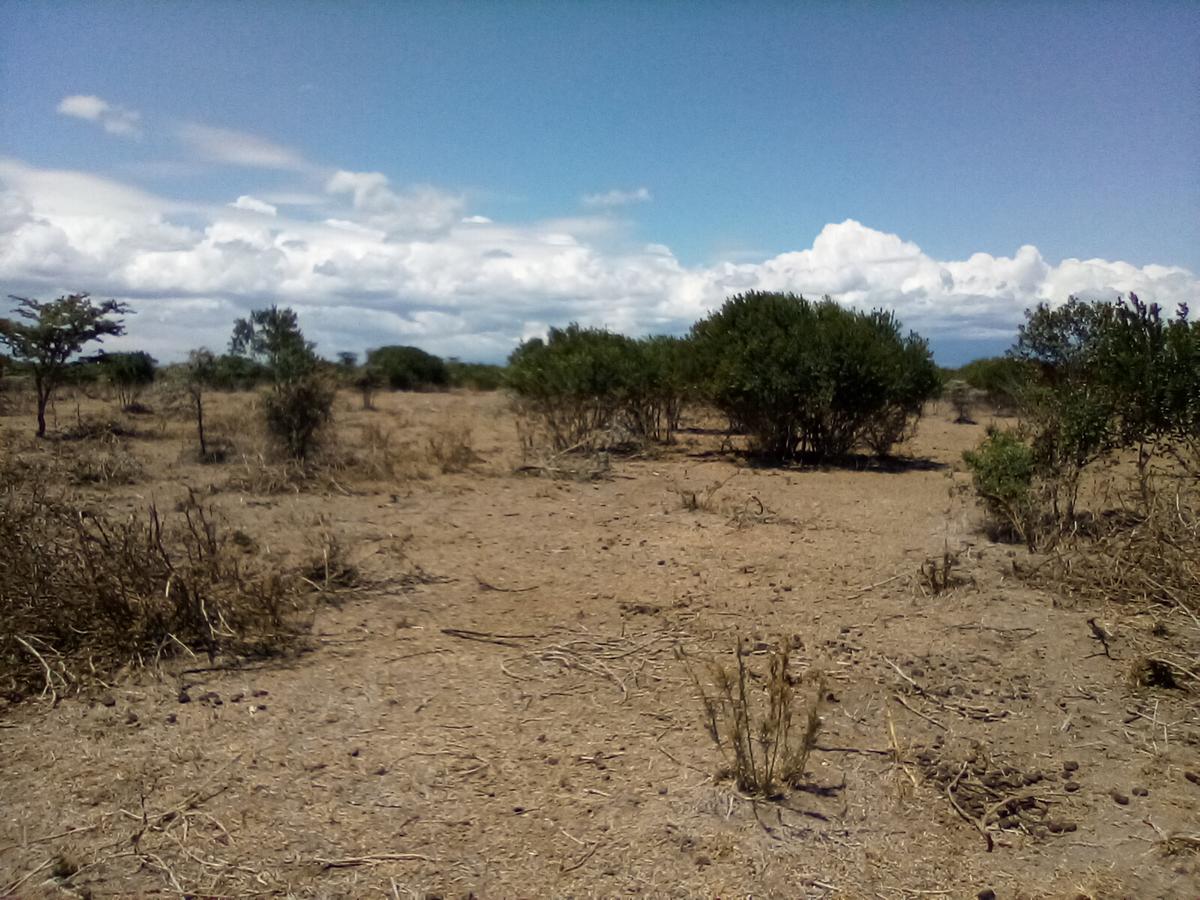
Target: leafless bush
point(765, 732)
point(83, 593)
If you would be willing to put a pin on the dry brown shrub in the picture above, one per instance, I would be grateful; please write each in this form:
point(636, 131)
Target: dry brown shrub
point(83, 594)
point(764, 730)
point(449, 448)
point(1144, 557)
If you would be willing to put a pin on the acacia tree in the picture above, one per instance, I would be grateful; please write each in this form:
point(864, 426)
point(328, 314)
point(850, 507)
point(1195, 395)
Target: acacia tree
point(54, 331)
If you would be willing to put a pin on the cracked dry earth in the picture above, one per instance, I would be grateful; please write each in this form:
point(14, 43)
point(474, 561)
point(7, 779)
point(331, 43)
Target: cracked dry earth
point(507, 709)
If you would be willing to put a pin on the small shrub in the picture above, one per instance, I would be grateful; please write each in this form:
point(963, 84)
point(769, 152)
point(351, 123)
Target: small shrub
point(449, 448)
point(765, 733)
point(1003, 470)
point(296, 412)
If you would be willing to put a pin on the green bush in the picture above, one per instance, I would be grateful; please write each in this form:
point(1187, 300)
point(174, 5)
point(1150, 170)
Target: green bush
point(296, 412)
point(1002, 469)
point(129, 373)
point(1001, 379)
point(408, 368)
point(575, 382)
point(813, 380)
point(474, 376)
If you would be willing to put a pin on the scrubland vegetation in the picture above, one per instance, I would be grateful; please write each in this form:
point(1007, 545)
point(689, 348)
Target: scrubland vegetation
point(856, 631)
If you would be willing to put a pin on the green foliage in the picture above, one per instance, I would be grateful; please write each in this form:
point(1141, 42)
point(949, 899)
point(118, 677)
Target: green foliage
point(474, 376)
point(1002, 379)
point(300, 402)
point(408, 368)
point(129, 373)
point(1003, 468)
point(52, 333)
point(574, 382)
point(813, 379)
point(272, 338)
point(296, 411)
point(583, 382)
point(237, 373)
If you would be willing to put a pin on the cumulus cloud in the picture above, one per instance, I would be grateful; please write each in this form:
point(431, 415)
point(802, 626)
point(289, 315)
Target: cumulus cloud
point(399, 264)
point(114, 119)
point(418, 210)
point(253, 204)
point(237, 148)
point(617, 197)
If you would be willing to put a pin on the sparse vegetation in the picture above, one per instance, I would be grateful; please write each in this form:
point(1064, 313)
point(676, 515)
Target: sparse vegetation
point(129, 374)
point(765, 732)
point(142, 586)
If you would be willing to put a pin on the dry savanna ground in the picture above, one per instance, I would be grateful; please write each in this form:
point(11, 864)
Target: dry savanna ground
point(500, 699)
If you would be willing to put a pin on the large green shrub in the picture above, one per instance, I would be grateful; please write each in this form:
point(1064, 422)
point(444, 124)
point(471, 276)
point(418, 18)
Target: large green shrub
point(1001, 379)
point(408, 368)
point(575, 382)
point(813, 379)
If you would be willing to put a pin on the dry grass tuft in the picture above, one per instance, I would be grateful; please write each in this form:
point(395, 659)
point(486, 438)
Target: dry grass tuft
point(449, 448)
point(83, 594)
point(765, 732)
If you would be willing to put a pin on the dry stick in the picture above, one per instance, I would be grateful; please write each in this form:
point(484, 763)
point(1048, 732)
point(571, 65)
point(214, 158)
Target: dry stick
point(899, 757)
point(487, 637)
point(374, 859)
point(982, 829)
point(485, 586)
point(49, 675)
point(899, 699)
point(49, 837)
point(871, 587)
point(581, 861)
point(10, 890)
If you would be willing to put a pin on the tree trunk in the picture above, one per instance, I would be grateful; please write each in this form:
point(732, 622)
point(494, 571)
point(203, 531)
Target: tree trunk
point(199, 401)
point(43, 397)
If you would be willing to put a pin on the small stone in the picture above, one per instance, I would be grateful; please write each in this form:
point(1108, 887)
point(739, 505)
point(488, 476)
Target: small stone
point(703, 861)
point(986, 894)
point(108, 700)
point(171, 719)
point(1140, 791)
point(260, 693)
point(1119, 798)
point(262, 707)
point(663, 790)
point(382, 770)
point(1070, 766)
point(1192, 777)
point(237, 698)
point(185, 697)
point(1071, 787)
point(131, 718)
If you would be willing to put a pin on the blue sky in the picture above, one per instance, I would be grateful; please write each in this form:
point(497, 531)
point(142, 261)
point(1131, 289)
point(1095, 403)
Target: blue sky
point(635, 163)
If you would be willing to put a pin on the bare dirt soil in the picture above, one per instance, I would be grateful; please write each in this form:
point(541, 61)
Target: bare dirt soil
point(505, 706)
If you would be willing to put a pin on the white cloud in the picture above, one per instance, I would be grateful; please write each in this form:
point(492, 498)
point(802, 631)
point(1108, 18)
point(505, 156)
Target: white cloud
point(418, 210)
point(237, 148)
point(253, 204)
point(400, 264)
point(114, 119)
point(476, 220)
point(617, 197)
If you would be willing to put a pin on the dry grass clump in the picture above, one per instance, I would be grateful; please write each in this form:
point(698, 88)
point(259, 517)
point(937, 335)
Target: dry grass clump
point(83, 593)
point(449, 448)
point(761, 726)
